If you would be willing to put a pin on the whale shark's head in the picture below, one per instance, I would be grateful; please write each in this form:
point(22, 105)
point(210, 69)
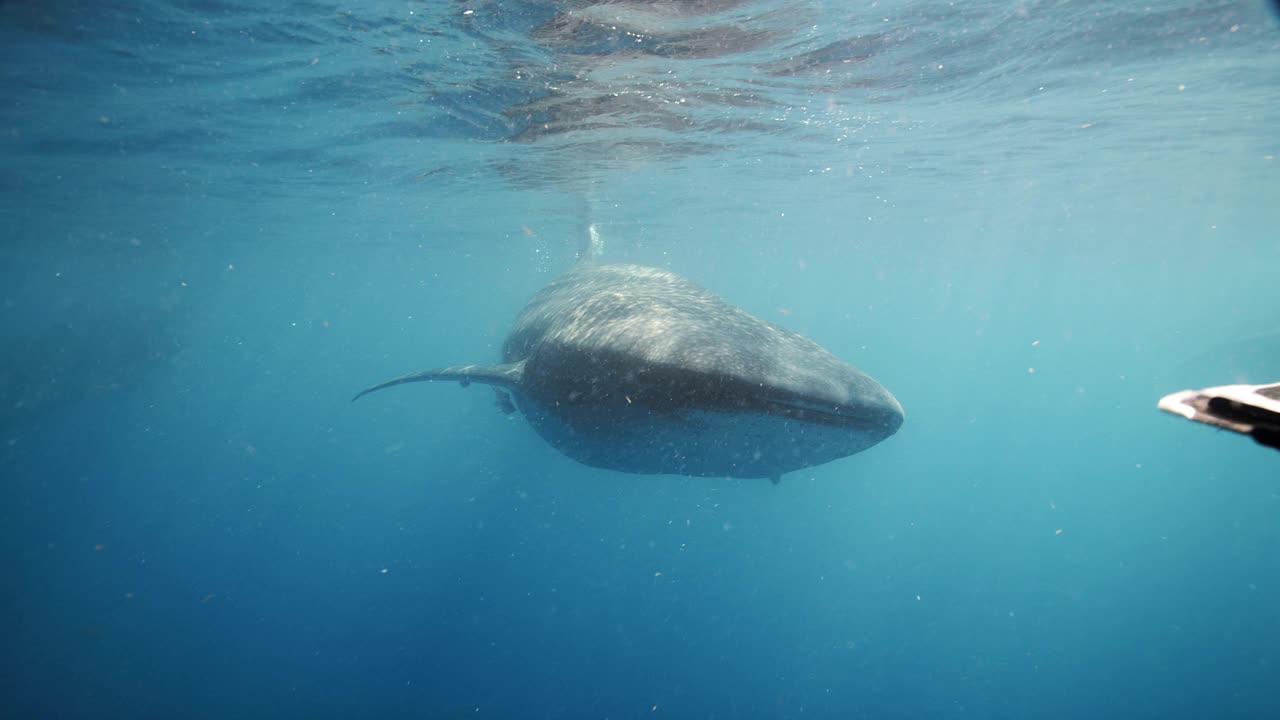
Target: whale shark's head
point(801, 415)
point(840, 397)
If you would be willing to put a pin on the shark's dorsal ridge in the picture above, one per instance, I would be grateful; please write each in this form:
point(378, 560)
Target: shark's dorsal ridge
point(591, 249)
point(507, 375)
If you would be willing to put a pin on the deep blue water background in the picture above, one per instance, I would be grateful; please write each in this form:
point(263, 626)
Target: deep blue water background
point(1029, 221)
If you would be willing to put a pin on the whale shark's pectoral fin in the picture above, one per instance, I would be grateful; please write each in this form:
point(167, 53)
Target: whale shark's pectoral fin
point(775, 479)
point(503, 401)
point(503, 376)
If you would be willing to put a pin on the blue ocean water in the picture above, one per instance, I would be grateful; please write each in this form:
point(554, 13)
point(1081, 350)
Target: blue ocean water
point(1029, 220)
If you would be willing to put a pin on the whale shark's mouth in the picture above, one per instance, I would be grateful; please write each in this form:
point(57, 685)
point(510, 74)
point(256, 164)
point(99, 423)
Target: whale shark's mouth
point(861, 417)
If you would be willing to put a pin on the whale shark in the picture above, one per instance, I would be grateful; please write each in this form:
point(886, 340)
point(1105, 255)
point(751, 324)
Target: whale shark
point(637, 369)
